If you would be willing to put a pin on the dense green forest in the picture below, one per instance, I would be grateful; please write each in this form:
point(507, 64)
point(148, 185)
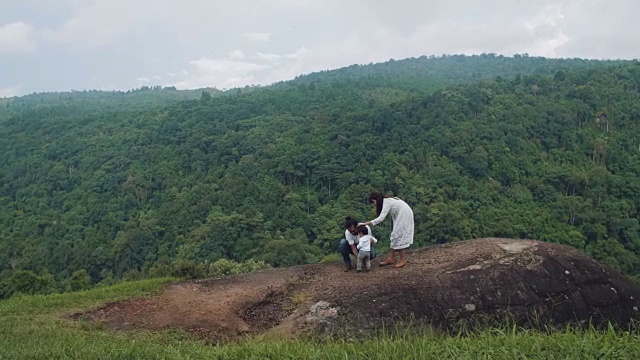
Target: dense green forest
point(95, 186)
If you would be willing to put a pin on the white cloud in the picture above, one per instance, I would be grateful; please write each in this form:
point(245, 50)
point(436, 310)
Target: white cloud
point(261, 37)
point(99, 23)
point(291, 56)
point(156, 77)
point(143, 80)
point(10, 91)
point(17, 38)
point(268, 56)
point(302, 61)
point(222, 66)
point(236, 55)
point(110, 87)
point(537, 31)
point(546, 31)
point(225, 43)
point(221, 73)
point(93, 25)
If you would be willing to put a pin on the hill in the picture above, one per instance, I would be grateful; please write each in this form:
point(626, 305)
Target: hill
point(429, 74)
point(92, 100)
point(95, 193)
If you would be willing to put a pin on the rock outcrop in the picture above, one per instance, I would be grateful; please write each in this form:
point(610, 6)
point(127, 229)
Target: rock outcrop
point(533, 283)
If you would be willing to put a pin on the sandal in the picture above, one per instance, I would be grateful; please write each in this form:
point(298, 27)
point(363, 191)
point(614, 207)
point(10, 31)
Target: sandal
point(386, 261)
point(400, 264)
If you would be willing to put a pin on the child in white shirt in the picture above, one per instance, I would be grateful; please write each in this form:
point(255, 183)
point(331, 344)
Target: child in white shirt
point(364, 247)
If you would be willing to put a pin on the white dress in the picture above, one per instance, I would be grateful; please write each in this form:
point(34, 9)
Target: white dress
point(402, 216)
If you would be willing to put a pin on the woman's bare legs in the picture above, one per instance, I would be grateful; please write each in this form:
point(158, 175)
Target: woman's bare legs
point(402, 261)
point(389, 259)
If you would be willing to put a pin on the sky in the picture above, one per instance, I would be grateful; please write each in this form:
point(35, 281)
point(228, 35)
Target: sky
point(62, 45)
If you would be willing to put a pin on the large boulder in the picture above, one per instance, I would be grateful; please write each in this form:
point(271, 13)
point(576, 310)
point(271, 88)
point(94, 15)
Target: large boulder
point(532, 283)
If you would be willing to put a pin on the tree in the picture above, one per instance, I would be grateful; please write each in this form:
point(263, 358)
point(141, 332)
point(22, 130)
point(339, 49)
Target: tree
point(27, 282)
point(79, 280)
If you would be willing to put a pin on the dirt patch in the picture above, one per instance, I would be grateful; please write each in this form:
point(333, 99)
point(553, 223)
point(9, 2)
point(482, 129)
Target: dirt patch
point(277, 306)
point(440, 284)
point(122, 315)
point(263, 315)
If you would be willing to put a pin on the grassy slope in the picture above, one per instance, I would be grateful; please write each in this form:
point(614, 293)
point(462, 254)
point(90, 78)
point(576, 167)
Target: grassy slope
point(32, 328)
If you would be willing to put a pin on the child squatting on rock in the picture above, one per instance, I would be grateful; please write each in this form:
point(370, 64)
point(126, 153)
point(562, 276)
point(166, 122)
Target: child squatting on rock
point(364, 247)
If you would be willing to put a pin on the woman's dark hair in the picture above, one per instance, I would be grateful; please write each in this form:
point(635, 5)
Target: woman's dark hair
point(378, 198)
point(349, 222)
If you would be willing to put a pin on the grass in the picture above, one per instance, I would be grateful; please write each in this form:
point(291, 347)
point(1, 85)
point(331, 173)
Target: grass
point(32, 327)
point(299, 298)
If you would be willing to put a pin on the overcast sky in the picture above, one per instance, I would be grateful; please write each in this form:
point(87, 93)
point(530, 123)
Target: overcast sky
point(51, 45)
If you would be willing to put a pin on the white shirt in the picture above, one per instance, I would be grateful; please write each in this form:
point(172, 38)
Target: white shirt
point(364, 243)
point(353, 239)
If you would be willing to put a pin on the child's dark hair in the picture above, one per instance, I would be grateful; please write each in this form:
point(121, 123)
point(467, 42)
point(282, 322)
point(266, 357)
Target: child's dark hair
point(349, 222)
point(362, 230)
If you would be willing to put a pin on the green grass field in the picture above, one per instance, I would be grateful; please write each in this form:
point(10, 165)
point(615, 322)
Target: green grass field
point(32, 327)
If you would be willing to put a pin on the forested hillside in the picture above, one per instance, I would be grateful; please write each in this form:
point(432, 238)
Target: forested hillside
point(428, 74)
point(479, 146)
point(143, 97)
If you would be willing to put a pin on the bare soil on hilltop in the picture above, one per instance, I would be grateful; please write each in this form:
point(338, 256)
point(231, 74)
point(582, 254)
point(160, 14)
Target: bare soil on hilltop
point(529, 280)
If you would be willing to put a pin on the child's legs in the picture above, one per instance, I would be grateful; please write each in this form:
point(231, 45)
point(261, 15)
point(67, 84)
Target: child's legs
point(368, 260)
point(362, 255)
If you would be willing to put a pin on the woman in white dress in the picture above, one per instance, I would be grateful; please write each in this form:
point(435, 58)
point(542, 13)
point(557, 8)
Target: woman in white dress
point(402, 216)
